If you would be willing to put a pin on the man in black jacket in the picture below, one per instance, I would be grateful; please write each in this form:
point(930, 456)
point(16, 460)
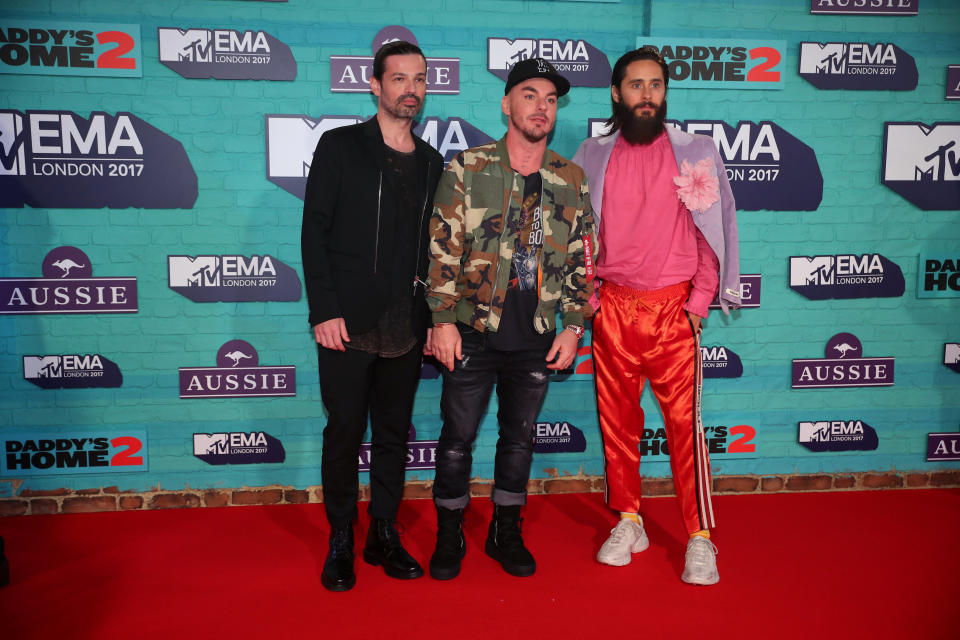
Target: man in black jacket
point(364, 243)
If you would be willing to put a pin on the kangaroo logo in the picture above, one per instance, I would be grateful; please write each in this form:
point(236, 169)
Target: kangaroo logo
point(66, 265)
point(844, 348)
point(236, 356)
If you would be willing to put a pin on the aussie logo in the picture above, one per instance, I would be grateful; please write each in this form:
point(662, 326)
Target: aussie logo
point(225, 54)
point(232, 278)
point(59, 159)
point(582, 64)
point(720, 362)
point(938, 276)
point(558, 437)
point(943, 447)
point(238, 447)
point(71, 371)
point(922, 163)
point(951, 356)
point(351, 74)
point(843, 366)
point(238, 374)
point(70, 48)
point(721, 64)
point(866, 7)
point(857, 65)
point(837, 435)
point(953, 82)
point(292, 139)
point(421, 454)
point(750, 284)
point(720, 440)
point(868, 275)
point(67, 286)
point(37, 454)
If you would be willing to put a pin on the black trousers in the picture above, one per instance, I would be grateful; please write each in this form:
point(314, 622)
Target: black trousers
point(353, 385)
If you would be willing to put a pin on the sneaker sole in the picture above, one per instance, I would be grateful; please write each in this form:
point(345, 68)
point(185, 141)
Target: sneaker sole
point(520, 571)
point(642, 544)
point(702, 583)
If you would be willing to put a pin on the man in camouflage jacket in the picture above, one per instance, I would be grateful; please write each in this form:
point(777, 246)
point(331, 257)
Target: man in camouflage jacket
point(510, 241)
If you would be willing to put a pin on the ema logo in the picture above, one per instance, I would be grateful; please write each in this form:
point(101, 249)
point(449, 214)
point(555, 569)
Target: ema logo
point(922, 163)
point(943, 446)
point(951, 356)
point(721, 64)
point(577, 60)
point(67, 286)
point(237, 375)
point(58, 159)
point(720, 362)
point(292, 139)
point(232, 278)
point(838, 435)
point(421, 454)
point(238, 448)
point(844, 366)
point(558, 437)
point(938, 276)
point(71, 371)
point(869, 275)
point(866, 7)
point(225, 54)
point(653, 442)
point(36, 454)
point(749, 292)
point(857, 65)
point(351, 74)
point(70, 48)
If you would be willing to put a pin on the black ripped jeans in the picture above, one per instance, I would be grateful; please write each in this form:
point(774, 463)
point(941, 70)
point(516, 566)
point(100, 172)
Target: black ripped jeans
point(521, 378)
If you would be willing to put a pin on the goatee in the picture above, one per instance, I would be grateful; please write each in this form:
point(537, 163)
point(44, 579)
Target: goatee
point(637, 129)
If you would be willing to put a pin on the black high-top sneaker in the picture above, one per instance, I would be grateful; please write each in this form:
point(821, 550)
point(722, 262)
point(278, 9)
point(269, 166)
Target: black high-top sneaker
point(505, 544)
point(451, 547)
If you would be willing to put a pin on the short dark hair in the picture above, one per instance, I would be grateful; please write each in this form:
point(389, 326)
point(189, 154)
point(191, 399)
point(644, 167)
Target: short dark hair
point(395, 48)
point(646, 52)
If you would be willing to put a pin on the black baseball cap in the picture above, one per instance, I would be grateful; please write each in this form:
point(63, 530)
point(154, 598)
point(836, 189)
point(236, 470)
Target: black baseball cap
point(536, 68)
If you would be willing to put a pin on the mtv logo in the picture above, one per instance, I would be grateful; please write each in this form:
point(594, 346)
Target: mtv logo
point(190, 45)
point(951, 353)
point(291, 141)
point(814, 431)
point(35, 367)
point(12, 137)
point(189, 271)
point(211, 444)
point(817, 270)
point(503, 53)
point(823, 58)
point(918, 152)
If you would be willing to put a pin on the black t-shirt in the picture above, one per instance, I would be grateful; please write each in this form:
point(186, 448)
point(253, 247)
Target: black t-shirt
point(516, 331)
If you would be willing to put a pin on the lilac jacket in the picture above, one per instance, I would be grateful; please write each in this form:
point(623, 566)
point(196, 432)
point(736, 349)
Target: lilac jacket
point(718, 224)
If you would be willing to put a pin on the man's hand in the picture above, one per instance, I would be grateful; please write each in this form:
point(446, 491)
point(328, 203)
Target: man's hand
point(447, 345)
point(331, 334)
point(428, 345)
point(695, 320)
point(564, 349)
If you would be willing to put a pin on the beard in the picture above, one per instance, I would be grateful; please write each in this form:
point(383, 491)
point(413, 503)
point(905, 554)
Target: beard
point(529, 131)
point(637, 129)
point(400, 110)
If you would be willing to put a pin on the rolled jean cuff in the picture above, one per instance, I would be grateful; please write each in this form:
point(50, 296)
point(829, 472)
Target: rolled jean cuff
point(507, 498)
point(453, 503)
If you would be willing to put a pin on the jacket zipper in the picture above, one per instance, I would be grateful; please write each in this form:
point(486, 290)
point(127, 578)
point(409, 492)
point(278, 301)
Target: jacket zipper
point(416, 264)
point(493, 294)
point(376, 235)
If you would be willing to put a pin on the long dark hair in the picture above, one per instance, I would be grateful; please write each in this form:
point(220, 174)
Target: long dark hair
point(645, 52)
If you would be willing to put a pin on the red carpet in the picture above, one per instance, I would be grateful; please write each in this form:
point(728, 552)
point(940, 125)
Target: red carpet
point(818, 565)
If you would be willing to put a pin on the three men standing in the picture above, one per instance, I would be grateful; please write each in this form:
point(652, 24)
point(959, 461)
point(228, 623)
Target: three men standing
point(364, 237)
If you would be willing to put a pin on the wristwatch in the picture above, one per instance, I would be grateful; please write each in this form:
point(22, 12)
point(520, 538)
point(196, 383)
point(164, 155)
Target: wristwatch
point(578, 331)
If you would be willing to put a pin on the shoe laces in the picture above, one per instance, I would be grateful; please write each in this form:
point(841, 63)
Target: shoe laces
point(699, 553)
point(619, 532)
point(388, 532)
point(341, 541)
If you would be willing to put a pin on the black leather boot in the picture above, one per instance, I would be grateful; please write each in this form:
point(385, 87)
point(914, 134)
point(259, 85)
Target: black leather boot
point(505, 544)
point(451, 547)
point(338, 572)
point(4, 567)
point(384, 548)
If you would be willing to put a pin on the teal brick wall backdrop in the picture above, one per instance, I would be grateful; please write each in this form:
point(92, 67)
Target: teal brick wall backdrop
point(238, 211)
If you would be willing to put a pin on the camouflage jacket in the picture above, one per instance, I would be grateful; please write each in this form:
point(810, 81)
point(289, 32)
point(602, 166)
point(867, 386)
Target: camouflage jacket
point(471, 247)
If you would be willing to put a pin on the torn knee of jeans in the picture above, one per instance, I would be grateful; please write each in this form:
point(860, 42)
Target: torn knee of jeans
point(538, 376)
point(453, 454)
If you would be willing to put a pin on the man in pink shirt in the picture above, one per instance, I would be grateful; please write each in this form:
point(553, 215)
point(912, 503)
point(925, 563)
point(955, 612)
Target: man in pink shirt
point(667, 243)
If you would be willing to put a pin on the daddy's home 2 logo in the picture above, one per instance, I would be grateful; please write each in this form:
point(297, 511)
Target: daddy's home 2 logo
point(718, 440)
point(837, 435)
point(292, 139)
point(939, 275)
point(71, 371)
point(581, 63)
point(720, 362)
point(558, 437)
point(868, 275)
point(866, 7)
point(238, 447)
point(225, 54)
point(233, 278)
point(41, 454)
point(421, 454)
point(843, 366)
point(67, 286)
point(857, 65)
point(238, 374)
point(59, 47)
point(700, 63)
point(61, 160)
point(921, 162)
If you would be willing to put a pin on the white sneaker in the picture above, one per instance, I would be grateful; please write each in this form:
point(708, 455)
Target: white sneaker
point(625, 538)
point(700, 565)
